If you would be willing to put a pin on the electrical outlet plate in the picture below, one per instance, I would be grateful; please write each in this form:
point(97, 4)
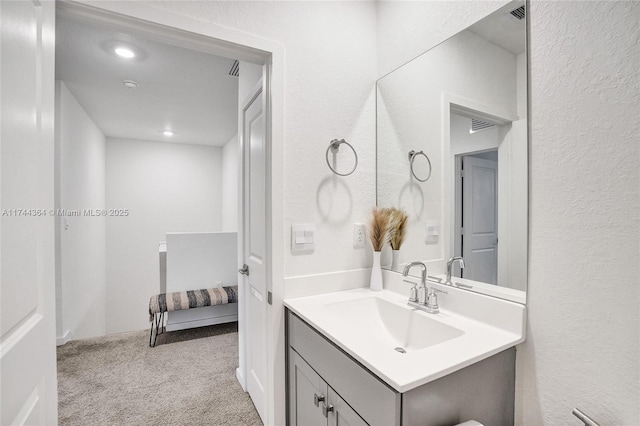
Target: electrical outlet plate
point(359, 234)
point(432, 231)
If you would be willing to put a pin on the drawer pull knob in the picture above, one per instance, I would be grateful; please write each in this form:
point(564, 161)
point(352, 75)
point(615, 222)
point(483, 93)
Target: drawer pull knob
point(326, 409)
point(317, 399)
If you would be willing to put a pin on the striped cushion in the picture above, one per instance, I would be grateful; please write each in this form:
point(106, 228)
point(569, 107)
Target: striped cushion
point(168, 302)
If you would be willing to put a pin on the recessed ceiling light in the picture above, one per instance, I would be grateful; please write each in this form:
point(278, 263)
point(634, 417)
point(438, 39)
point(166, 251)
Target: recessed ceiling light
point(124, 52)
point(130, 84)
point(167, 133)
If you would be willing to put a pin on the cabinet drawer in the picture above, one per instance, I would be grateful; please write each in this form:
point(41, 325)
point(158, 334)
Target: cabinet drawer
point(376, 402)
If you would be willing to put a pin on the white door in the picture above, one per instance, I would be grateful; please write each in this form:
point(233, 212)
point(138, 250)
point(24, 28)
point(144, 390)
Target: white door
point(27, 288)
point(254, 248)
point(480, 219)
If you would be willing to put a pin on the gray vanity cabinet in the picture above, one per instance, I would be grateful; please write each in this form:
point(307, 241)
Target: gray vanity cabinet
point(356, 396)
point(349, 394)
point(313, 402)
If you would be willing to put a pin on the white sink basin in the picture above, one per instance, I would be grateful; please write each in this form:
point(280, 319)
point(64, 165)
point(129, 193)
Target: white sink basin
point(407, 347)
point(401, 328)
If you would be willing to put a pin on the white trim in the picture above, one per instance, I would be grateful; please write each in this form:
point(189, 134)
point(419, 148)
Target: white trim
point(468, 107)
point(67, 337)
point(490, 113)
point(241, 379)
point(250, 48)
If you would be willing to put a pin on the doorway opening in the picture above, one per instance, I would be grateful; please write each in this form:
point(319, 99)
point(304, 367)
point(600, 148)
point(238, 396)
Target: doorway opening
point(475, 142)
point(155, 186)
point(477, 208)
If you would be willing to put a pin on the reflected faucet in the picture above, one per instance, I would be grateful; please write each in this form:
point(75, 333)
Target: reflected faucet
point(450, 268)
point(422, 291)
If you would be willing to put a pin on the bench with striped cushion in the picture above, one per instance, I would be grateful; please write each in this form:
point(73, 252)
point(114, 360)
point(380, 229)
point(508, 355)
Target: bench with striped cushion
point(180, 300)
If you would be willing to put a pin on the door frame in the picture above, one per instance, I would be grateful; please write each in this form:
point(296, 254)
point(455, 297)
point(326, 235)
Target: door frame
point(188, 32)
point(454, 104)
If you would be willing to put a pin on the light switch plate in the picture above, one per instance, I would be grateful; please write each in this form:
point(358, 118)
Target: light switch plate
point(303, 237)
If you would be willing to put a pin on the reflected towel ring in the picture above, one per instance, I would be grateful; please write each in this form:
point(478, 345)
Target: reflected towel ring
point(412, 156)
point(334, 146)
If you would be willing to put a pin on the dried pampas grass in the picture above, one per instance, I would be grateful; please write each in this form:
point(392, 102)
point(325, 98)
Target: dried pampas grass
point(397, 227)
point(379, 227)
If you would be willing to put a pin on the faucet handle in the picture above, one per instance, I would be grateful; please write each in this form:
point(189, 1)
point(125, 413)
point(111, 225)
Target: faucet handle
point(413, 294)
point(432, 300)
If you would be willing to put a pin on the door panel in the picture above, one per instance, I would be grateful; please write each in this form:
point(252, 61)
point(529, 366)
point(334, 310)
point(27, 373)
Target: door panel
point(257, 199)
point(305, 385)
point(27, 293)
point(254, 232)
point(342, 414)
point(480, 219)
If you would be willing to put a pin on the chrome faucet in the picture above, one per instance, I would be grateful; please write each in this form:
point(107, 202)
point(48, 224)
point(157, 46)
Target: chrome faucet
point(422, 291)
point(450, 268)
point(427, 299)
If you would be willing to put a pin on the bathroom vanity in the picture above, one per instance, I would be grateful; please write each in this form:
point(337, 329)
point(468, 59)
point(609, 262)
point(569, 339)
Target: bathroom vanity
point(359, 357)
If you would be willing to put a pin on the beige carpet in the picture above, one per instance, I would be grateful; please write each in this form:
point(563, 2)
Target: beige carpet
point(187, 379)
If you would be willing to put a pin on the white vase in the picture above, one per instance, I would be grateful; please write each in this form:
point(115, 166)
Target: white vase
point(395, 254)
point(376, 273)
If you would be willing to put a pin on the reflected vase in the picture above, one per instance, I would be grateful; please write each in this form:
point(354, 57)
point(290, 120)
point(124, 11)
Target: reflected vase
point(395, 256)
point(376, 273)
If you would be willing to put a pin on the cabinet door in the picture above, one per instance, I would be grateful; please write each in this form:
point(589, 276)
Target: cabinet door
point(307, 393)
point(341, 414)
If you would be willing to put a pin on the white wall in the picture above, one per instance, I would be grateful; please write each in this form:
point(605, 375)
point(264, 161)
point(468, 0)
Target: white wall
point(329, 93)
point(81, 241)
point(166, 187)
point(582, 346)
point(230, 188)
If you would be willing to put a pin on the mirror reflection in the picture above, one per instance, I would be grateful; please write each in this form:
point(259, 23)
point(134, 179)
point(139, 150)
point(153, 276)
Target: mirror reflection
point(452, 152)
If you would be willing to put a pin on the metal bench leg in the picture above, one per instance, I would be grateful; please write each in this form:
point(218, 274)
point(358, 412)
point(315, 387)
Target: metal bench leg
point(156, 323)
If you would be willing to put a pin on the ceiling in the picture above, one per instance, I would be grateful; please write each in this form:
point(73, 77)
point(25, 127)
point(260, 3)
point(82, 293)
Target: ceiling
point(502, 29)
point(188, 92)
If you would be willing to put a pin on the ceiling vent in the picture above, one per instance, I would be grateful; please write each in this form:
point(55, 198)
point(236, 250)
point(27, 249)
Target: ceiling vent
point(477, 125)
point(235, 69)
point(518, 13)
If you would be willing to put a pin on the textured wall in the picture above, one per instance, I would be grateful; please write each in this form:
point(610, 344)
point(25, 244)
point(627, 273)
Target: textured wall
point(167, 187)
point(330, 50)
point(582, 346)
point(81, 255)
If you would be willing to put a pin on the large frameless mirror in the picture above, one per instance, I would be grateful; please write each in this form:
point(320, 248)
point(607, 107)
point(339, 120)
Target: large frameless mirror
point(452, 151)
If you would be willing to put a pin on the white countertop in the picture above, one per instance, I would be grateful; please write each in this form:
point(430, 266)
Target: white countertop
point(479, 340)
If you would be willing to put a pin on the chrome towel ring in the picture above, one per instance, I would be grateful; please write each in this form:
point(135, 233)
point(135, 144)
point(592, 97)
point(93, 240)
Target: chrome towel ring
point(334, 147)
point(412, 156)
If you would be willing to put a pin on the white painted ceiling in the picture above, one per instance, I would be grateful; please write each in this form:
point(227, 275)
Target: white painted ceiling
point(502, 29)
point(183, 90)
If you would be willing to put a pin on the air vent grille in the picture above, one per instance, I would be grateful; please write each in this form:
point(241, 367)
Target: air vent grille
point(235, 69)
point(518, 13)
point(477, 125)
